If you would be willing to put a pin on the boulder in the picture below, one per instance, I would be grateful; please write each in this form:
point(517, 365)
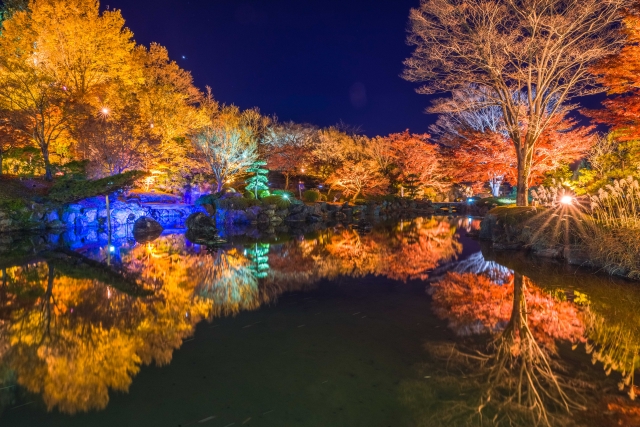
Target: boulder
point(314, 218)
point(235, 216)
point(549, 252)
point(253, 212)
point(263, 218)
point(358, 210)
point(146, 229)
point(302, 216)
point(212, 240)
point(296, 209)
point(283, 213)
point(56, 224)
point(201, 223)
point(333, 207)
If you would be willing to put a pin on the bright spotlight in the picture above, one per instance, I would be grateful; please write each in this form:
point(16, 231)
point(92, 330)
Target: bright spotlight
point(105, 111)
point(566, 200)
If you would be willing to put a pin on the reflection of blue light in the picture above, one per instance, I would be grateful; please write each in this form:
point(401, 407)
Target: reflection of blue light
point(245, 251)
point(320, 186)
point(112, 248)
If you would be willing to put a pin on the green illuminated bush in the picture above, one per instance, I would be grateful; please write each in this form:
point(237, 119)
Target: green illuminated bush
point(281, 201)
point(236, 203)
point(311, 196)
point(287, 193)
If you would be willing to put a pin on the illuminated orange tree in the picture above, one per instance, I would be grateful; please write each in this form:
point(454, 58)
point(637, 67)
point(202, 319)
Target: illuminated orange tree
point(487, 156)
point(286, 147)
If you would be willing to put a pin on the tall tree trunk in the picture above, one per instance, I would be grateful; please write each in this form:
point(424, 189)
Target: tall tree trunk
point(218, 185)
point(1, 159)
point(48, 173)
point(524, 170)
point(286, 181)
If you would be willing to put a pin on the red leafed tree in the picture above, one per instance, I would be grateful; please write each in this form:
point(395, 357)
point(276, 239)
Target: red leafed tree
point(621, 75)
point(358, 178)
point(404, 156)
point(488, 156)
point(417, 156)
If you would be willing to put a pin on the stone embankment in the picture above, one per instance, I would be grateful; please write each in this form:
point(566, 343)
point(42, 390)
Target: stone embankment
point(522, 228)
point(91, 213)
point(325, 211)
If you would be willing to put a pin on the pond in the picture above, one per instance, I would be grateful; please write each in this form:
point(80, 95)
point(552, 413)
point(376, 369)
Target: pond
point(407, 323)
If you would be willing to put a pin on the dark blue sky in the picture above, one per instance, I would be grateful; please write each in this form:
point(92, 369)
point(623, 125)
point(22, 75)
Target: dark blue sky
point(315, 61)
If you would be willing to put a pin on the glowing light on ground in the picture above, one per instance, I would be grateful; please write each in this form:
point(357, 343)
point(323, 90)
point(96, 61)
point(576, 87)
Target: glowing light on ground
point(566, 200)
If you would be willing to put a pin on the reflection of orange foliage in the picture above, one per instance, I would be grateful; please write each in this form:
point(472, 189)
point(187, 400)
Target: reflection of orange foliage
point(420, 247)
point(78, 338)
point(351, 254)
point(408, 251)
point(626, 413)
point(475, 304)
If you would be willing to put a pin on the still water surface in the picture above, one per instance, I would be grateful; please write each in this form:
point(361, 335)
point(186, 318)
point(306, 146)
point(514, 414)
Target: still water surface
point(408, 324)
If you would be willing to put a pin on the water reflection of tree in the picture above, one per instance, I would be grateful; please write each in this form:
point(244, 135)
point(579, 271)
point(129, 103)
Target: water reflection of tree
point(418, 247)
point(72, 334)
point(611, 315)
point(518, 379)
point(71, 339)
point(227, 279)
point(405, 251)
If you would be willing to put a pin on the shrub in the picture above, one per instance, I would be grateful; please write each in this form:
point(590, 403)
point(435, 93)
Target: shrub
point(264, 193)
point(75, 169)
point(68, 191)
point(619, 205)
point(281, 201)
point(249, 195)
point(287, 193)
point(236, 203)
point(311, 196)
point(209, 199)
point(615, 228)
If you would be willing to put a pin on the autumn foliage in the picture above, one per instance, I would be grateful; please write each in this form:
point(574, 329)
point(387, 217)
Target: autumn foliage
point(620, 73)
point(488, 157)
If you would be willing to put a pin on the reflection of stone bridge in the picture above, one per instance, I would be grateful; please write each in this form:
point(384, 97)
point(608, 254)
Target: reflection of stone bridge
point(450, 207)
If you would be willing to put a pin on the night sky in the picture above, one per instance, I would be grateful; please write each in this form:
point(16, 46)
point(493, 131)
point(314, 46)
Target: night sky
point(311, 61)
